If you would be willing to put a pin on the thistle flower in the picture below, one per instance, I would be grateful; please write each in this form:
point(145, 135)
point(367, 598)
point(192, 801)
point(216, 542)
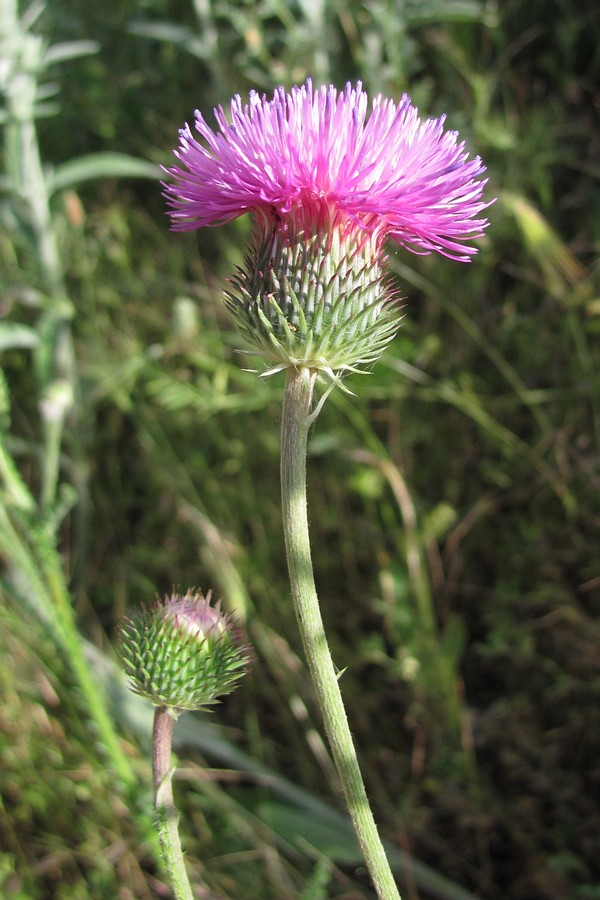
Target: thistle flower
point(182, 652)
point(327, 184)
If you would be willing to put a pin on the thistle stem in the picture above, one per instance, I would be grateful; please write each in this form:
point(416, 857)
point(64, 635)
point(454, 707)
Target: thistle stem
point(294, 438)
point(168, 818)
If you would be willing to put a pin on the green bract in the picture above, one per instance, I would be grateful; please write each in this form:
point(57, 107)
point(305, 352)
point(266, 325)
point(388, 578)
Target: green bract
point(182, 653)
point(314, 294)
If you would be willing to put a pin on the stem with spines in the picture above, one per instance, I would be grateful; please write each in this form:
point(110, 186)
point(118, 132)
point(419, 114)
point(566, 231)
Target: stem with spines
point(296, 420)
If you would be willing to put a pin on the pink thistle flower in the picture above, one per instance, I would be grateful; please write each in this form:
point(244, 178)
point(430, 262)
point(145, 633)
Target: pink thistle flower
point(408, 179)
point(327, 183)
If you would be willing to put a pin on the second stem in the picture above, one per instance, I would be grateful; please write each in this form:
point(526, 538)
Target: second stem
point(168, 818)
point(294, 439)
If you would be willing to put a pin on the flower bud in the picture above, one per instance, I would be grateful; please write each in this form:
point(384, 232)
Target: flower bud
point(182, 652)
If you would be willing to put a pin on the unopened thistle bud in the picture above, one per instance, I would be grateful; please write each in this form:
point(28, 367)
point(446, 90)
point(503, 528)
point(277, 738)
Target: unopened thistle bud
point(182, 652)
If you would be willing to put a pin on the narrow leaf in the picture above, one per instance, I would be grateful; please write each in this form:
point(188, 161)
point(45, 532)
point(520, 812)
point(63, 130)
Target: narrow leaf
point(13, 335)
point(101, 165)
point(69, 50)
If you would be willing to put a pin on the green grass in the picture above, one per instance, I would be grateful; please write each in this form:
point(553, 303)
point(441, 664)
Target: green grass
point(454, 499)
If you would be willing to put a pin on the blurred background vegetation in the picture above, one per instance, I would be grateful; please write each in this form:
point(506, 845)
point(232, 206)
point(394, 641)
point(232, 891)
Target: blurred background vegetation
point(454, 499)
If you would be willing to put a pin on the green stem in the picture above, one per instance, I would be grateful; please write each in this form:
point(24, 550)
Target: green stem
point(32, 556)
point(294, 439)
point(96, 701)
point(168, 818)
point(54, 355)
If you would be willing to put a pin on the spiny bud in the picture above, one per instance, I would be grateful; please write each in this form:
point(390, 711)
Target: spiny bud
point(182, 652)
point(314, 292)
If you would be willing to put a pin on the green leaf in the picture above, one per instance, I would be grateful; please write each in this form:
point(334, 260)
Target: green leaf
point(100, 165)
point(178, 35)
point(69, 50)
point(447, 11)
point(301, 829)
point(13, 335)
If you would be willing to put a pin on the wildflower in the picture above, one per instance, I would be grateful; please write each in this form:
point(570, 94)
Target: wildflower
point(327, 184)
point(182, 653)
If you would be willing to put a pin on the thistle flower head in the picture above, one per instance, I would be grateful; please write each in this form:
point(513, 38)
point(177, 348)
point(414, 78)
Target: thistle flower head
point(328, 182)
point(182, 652)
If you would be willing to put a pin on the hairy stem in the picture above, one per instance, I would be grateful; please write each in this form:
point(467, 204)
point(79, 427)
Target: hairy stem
point(168, 819)
point(294, 437)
